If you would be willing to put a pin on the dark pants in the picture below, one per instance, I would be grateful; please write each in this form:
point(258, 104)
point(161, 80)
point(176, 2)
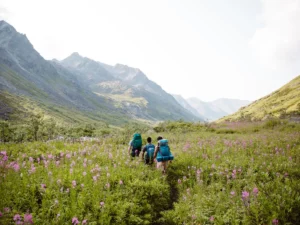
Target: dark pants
point(136, 152)
point(148, 161)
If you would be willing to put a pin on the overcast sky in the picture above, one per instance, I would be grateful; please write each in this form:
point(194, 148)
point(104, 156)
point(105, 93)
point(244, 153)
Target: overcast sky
point(242, 49)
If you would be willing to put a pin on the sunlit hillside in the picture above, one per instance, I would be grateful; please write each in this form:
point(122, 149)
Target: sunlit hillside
point(283, 103)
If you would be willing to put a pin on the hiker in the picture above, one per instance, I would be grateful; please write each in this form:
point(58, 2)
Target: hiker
point(162, 154)
point(149, 148)
point(135, 145)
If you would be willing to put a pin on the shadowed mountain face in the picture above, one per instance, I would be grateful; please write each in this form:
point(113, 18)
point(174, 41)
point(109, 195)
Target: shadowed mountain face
point(23, 71)
point(127, 88)
point(93, 89)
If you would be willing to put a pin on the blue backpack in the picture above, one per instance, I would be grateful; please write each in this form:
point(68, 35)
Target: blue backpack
point(150, 151)
point(164, 153)
point(136, 141)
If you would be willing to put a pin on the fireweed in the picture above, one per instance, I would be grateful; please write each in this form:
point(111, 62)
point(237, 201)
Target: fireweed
point(214, 179)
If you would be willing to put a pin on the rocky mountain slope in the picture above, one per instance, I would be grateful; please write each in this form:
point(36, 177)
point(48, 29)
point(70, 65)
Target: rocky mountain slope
point(77, 88)
point(128, 89)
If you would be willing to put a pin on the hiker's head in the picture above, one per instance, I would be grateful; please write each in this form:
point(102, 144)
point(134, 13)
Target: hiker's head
point(149, 139)
point(159, 138)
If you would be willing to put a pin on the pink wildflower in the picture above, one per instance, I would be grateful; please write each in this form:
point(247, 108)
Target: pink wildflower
point(84, 173)
point(74, 183)
point(95, 178)
point(6, 209)
point(16, 167)
point(108, 185)
point(75, 221)
point(275, 221)
point(232, 193)
point(120, 182)
point(102, 204)
point(17, 217)
point(43, 186)
point(211, 218)
point(179, 181)
point(255, 191)
point(32, 169)
point(245, 195)
point(28, 218)
point(84, 222)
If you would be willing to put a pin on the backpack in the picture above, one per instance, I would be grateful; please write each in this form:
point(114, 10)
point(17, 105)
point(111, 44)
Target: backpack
point(136, 141)
point(150, 151)
point(164, 153)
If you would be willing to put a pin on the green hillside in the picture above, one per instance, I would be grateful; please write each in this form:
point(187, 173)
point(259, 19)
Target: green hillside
point(283, 103)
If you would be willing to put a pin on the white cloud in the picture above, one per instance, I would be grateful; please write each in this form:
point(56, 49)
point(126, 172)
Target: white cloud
point(277, 43)
point(3, 13)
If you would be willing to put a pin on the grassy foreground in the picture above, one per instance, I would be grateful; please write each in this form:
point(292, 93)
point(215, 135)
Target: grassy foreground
point(239, 177)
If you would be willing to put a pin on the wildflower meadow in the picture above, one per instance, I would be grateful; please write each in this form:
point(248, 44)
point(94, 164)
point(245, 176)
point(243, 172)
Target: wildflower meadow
point(239, 177)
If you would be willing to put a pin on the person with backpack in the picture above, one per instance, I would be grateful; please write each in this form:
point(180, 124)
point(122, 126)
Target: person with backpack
point(162, 154)
point(135, 145)
point(149, 149)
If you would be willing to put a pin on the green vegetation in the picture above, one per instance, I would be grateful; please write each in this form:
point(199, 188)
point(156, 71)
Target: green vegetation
point(283, 103)
point(118, 99)
point(231, 173)
point(16, 111)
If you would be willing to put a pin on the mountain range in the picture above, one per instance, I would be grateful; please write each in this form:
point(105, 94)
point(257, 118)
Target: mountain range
point(77, 88)
point(212, 110)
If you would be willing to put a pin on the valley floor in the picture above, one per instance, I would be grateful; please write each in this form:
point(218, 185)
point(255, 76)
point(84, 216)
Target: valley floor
point(219, 176)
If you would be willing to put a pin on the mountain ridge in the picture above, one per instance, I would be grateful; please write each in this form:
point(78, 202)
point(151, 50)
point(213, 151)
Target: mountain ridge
point(130, 82)
point(211, 110)
point(75, 83)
